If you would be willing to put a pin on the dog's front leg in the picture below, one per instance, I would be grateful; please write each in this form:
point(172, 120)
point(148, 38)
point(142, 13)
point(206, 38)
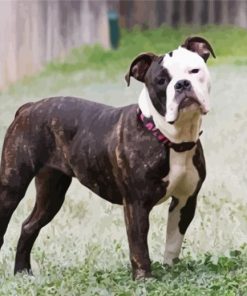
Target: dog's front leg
point(137, 224)
point(181, 213)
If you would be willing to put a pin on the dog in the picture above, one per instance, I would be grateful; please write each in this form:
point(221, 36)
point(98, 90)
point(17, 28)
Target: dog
point(136, 156)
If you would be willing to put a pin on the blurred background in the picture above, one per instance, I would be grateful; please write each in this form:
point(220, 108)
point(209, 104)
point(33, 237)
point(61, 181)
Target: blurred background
point(84, 48)
point(33, 32)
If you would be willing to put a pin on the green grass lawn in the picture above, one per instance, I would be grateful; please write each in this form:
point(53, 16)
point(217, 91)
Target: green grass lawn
point(84, 250)
point(205, 276)
point(229, 44)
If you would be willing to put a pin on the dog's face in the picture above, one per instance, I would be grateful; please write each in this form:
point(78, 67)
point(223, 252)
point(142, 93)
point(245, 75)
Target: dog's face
point(178, 81)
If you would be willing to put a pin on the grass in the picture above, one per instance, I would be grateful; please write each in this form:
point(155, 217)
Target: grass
point(226, 276)
point(84, 250)
point(229, 44)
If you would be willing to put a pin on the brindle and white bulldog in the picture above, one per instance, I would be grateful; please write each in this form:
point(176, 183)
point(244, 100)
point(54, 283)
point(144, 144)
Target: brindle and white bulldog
point(137, 156)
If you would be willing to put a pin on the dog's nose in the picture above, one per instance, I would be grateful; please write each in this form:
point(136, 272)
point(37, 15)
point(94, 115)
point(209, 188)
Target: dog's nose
point(182, 85)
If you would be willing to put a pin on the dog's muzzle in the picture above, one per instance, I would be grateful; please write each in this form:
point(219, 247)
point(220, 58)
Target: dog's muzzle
point(185, 96)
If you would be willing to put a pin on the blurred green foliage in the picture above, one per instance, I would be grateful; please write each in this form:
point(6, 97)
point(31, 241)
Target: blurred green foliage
point(229, 44)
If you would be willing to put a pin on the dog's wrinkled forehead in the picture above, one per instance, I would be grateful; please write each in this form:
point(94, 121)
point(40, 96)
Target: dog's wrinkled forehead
point(182, 60)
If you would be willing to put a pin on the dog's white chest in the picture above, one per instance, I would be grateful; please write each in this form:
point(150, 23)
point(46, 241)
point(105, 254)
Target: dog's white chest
point(183, 176)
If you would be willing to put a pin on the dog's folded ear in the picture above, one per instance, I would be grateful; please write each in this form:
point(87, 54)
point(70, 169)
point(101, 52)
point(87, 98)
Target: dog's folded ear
point(139, 66)
point(200, 46)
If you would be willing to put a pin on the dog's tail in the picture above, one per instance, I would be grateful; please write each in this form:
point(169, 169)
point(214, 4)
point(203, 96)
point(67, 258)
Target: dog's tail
point(23, 107)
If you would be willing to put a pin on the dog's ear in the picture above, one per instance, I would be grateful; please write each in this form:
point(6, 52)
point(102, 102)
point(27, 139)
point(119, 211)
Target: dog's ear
point(139, 66)
point(200, 46)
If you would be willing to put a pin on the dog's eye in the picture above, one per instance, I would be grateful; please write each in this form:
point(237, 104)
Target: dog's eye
point(161, 81)
point(194, 71)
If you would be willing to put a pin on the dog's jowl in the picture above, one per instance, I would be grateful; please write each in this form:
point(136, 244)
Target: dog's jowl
point(137, 156)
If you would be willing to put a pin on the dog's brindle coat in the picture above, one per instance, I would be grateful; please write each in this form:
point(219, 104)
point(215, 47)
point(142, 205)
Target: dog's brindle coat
point(110, 151)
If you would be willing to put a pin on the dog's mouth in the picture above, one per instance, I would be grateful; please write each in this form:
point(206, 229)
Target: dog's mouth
point(189, 98)
point(188, 102)
point(186, 99)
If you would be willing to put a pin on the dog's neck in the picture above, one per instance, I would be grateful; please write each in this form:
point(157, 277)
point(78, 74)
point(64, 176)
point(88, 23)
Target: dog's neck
point(185, 129)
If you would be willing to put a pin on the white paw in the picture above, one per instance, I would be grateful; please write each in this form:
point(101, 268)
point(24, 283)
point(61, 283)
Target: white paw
point(170, 259)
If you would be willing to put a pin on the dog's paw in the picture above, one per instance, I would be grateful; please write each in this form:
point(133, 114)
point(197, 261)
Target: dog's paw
point(141, 274)
point(171, 261)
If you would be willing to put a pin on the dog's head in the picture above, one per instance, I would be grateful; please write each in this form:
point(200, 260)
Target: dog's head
point(178, 81)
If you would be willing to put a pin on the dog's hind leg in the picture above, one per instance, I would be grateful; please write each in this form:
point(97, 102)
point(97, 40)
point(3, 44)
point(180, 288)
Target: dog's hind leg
point(10, 196)
point(51, 186)
point(15, 177)
point(18, 167)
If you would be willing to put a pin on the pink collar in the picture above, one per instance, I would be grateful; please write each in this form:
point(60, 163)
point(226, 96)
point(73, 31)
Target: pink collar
point(148, 123)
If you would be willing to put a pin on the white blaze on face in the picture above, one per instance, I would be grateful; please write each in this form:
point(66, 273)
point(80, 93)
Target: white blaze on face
point(179, 66)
